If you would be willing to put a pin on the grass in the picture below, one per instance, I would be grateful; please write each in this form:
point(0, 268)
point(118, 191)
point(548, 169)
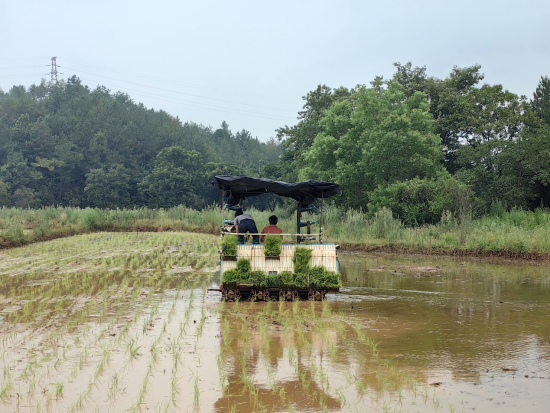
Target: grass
point(514, 233)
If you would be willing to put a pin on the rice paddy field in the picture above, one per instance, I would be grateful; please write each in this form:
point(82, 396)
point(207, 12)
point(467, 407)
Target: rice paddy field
point(112, 322)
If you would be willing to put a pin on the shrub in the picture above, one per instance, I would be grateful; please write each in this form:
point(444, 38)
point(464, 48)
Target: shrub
point(420, 201)
point(385, 225)
point(272, 245)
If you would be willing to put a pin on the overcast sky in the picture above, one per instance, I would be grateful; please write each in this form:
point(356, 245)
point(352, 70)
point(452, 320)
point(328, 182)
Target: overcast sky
point(250, 62)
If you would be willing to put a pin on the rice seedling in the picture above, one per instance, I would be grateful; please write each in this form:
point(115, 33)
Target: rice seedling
point(196, 395)
point(174, 390)
point(114, 386)
point(133, 348)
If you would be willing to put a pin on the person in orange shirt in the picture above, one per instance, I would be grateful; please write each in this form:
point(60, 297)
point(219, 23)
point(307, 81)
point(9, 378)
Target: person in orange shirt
point(272, 228)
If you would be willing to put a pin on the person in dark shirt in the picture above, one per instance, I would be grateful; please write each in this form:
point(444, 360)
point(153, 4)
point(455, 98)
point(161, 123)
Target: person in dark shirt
point(272, 228)
point(243, 224)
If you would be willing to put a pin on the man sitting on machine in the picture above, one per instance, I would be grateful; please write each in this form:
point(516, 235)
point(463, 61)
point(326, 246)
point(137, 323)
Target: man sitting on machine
point(244, 223)
point(272, 228)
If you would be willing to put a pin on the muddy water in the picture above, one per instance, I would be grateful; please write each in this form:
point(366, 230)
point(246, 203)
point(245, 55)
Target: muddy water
point(123, 322)
point(481, 329)
point(450, 335)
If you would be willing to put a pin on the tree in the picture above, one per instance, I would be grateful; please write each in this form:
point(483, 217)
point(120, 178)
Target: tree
point(5, 198)
point(541, 99)
point(109, 189)
point(297, 139)
point(175, 179)
point(374, 138)
point(24, 197)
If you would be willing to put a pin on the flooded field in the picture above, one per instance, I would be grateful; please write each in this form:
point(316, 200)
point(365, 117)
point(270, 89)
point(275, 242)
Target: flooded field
point(123, 322)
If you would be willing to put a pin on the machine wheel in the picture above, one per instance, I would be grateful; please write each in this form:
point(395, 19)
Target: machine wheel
point(259, 295)
point(316, 295)
point(288, 295)
point(231, 295)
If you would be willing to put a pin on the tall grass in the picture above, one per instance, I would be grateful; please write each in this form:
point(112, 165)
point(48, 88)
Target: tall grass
point(510, 232)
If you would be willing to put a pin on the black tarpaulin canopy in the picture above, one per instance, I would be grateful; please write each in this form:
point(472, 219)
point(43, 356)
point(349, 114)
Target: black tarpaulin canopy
point(236, 188)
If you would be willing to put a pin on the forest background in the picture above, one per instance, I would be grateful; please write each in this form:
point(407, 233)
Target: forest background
point(424, 148)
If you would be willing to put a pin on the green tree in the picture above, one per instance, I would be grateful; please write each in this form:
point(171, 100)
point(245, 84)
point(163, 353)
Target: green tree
point(24, 197)
point(5, 198)
point(108, 189)
point(376, 137)
point(297, 139)
point(541, 99)
point(175, 179)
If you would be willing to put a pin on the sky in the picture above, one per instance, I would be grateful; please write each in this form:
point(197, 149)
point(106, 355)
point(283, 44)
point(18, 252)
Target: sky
point(249, 63)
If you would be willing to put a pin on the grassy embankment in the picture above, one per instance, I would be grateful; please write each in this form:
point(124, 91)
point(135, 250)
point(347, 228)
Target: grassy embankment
point(516, 233)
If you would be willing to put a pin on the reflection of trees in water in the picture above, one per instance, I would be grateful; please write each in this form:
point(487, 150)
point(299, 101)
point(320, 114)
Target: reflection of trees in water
point(470, 317)
point(299, 388)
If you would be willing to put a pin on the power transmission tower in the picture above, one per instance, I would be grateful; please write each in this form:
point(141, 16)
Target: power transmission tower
point(54, 70)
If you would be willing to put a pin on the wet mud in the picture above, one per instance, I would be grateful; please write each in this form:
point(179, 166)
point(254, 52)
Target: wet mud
point(124, 322)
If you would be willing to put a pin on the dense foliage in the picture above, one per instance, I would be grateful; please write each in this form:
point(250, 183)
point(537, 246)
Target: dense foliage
point(68, 145)
point(417, 146)
point(424, 147)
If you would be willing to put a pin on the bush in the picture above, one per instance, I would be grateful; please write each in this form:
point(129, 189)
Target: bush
point(385, 225)
point(272, 245)
point(419, 201)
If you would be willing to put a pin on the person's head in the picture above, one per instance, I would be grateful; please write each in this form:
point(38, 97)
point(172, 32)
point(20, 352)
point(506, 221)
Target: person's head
point(273, 219)
point(238, 212)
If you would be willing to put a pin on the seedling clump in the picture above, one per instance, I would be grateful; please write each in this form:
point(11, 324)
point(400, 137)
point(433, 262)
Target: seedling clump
point(272, 245)
point(303, 277)
point(229, 246)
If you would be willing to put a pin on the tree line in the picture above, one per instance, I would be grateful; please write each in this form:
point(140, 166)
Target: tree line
point(418, 145)
point(422, 146)
point(64, 144)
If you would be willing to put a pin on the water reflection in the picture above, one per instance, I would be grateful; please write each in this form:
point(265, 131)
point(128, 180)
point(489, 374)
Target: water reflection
point(406, 329)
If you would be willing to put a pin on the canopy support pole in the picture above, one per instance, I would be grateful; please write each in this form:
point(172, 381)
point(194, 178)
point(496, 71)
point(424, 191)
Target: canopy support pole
point(298, 219)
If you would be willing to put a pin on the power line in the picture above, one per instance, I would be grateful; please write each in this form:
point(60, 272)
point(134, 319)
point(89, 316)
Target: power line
point(179, 82)
point(204, 106)
point(181, 93)
point(22, 67)
point(25, 74)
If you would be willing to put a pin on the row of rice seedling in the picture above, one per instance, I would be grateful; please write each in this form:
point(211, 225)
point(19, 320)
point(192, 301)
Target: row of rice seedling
point(85, 315)
point(331, 362)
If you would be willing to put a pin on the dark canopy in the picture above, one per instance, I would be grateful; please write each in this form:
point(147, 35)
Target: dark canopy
point(236, 188)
